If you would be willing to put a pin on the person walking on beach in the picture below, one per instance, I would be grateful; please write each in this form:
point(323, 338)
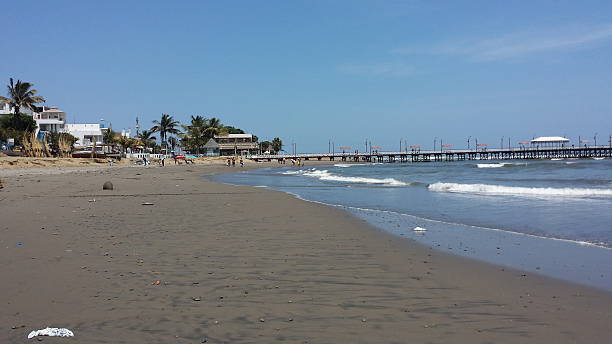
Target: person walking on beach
point(241, 162)
point(163, 161)
point(233, 161)
point(228, 162)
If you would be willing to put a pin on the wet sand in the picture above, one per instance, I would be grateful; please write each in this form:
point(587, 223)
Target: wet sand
point(249, 265)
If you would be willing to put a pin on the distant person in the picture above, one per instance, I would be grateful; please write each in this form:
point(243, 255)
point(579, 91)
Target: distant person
point(228, 163)
point(233, 161)
point(163, 161)
point(241, 162)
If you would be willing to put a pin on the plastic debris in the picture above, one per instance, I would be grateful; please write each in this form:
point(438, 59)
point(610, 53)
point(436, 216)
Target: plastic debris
point(51, 332)
point(107, 186)
point(419, 229)
point(156, 283)
point(147, 203)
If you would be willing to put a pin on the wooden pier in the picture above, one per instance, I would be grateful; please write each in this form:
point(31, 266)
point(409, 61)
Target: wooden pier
point(451, 155)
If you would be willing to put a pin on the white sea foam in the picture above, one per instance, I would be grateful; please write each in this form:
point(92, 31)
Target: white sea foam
point(294, 172)
point(520, 191)
point(326, 175)
point(490, 165)
point(501, 164)
point(343, 165)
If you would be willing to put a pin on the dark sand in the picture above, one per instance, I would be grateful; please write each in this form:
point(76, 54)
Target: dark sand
point(250, 265)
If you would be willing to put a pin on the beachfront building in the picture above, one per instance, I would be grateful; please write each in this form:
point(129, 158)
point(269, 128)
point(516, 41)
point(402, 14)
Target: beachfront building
point(211, 148)
point(86, 134)
point(550, 141)
point(5, 109)
point(49, 119)
point(236, 144)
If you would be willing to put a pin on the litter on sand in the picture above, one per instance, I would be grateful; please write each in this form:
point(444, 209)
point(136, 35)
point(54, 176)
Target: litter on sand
point(419, 229)
point(147, 203)
point(51, 332)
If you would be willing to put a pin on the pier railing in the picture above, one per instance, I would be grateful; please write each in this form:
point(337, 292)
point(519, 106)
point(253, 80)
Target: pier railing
point(450, 154)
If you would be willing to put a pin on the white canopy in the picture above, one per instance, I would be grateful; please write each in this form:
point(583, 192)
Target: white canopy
point(550, 139)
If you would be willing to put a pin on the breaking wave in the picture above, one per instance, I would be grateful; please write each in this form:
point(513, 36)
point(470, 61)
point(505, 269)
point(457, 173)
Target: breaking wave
point(501, 164)
point(520, 191)
point(326, 175)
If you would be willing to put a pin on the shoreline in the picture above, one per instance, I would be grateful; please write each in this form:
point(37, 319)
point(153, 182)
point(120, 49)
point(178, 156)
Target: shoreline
point(546, 256)
point(251, 251)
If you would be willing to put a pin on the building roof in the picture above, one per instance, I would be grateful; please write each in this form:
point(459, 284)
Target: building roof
point(547, 139)
point(211, 144)
point(235, 136)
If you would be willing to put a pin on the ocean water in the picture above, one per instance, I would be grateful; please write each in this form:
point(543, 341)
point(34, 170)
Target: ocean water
point(551, 217)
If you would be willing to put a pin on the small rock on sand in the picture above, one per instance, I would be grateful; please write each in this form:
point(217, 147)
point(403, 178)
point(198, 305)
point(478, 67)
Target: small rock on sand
point(107, 186)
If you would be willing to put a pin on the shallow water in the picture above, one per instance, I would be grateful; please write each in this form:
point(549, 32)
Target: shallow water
point(552, 217)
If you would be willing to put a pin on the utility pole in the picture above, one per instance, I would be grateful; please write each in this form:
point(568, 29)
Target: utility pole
point(469, 137)
point(435, 139)
point(501, 144)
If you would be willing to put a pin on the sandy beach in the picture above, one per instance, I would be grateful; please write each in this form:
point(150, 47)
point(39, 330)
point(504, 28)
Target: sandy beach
point(170, 257)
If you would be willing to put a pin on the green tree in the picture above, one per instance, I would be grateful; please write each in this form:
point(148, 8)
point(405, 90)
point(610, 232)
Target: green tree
point(18, 122)
point(166, 125)
point(173, 142)
point(263, 146)
point(233, 130)
point(277, 144)
point(214, 127)
point(147, 139)
point(109, 136)
point(194, 136)
point(54, 139)
point(21, 95)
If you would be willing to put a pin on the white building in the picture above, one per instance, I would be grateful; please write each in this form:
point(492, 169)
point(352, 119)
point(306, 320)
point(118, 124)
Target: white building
point(49, 119)
point(5, 109)
point(86, 134)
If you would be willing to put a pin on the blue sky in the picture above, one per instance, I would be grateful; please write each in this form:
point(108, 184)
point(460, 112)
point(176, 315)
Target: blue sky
point(311, 71)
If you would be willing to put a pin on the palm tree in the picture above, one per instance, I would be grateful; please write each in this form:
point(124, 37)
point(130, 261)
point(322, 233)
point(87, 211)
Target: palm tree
point(21, 94)
point(147, 138)
point(167, 125)
point(196, 134)
point(213, 127)
point(173, 141)
point(109, 136)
